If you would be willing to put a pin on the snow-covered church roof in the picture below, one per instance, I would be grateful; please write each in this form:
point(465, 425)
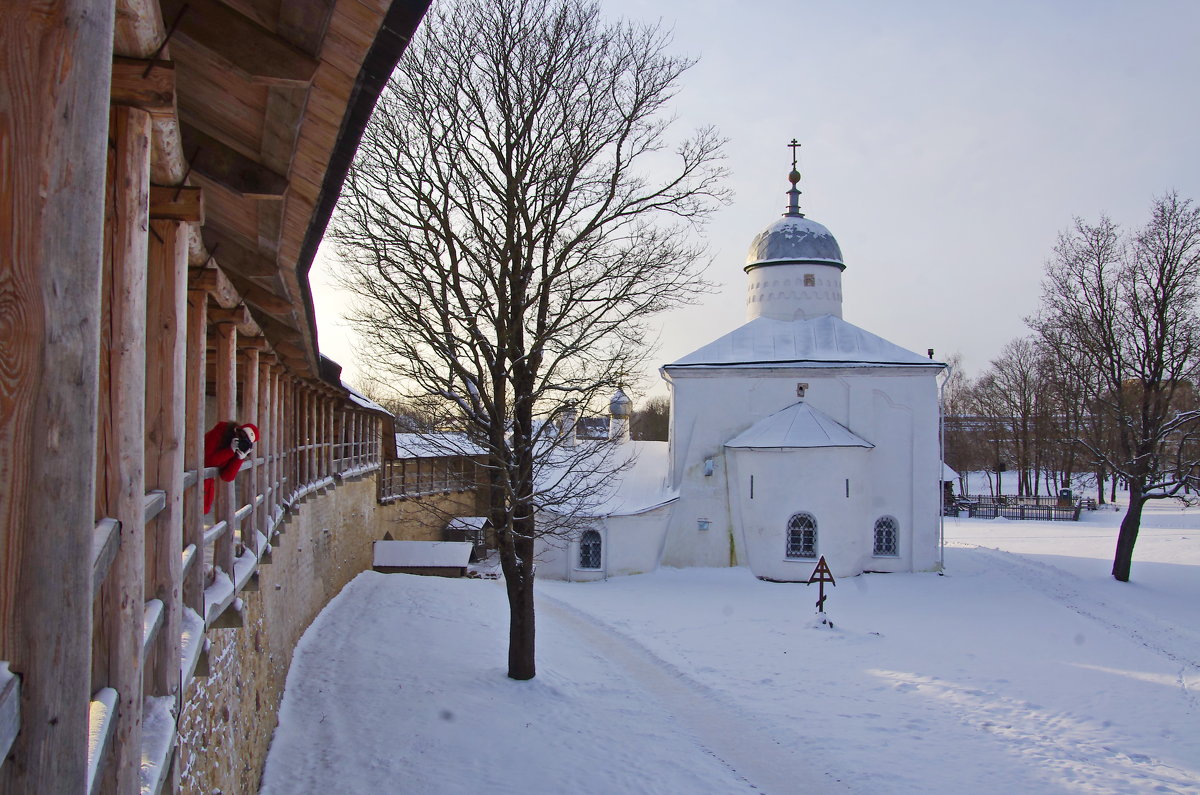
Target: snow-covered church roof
point(817, 342)
point(798, 426)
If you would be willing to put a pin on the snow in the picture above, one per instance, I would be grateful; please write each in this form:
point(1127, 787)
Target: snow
point(798, 425)
point(423, 553)
point(819, 341)
point(1026, 668)
point(795, 238)
point(435, 445)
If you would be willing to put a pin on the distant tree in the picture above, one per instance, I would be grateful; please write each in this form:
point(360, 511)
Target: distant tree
point(1120, 312)
point(513, 217)
point(652, 422)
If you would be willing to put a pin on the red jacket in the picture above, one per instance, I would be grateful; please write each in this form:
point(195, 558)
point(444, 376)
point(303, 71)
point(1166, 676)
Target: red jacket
point(219, 452)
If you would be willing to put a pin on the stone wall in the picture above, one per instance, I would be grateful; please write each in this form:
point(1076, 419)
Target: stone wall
point(229, 716)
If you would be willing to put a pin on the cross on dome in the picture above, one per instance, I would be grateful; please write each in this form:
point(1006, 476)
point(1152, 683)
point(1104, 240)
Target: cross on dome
point(794, 177)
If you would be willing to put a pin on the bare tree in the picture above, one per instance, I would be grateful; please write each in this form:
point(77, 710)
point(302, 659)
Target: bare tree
point(653, 420)
point(1121, 312)
point(508, 229)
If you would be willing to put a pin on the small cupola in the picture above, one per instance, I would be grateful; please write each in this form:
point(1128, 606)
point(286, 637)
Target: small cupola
point(794, 266)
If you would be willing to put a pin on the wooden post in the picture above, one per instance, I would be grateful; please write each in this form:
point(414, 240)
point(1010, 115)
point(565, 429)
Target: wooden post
point(122, 489)
point(310, 426)
point(52, 167)
point(250, 413)
point(262, 481)
point(197, 424)
point(166, 398)
point(226, 411)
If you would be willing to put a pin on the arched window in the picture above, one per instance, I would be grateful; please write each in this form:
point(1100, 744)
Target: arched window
point(887, 537)
point(589, 550)
point(802, 536)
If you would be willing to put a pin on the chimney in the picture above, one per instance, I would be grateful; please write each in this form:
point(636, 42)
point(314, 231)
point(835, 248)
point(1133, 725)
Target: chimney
point(619, 409)
point(567, 428)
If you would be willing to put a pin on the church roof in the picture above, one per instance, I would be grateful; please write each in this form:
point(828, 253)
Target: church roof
point(794, 239)
point(798, 426)
point(817, 342)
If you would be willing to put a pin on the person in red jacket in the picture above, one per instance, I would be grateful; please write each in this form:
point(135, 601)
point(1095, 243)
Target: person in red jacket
point(226, 446)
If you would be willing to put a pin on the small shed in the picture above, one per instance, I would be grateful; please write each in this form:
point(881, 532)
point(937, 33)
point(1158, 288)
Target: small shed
point(473, 529)
point(432, 558)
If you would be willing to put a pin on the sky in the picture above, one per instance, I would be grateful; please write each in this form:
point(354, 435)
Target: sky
point(945, 146)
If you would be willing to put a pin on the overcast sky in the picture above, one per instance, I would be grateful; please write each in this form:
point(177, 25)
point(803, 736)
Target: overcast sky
point(945, 145)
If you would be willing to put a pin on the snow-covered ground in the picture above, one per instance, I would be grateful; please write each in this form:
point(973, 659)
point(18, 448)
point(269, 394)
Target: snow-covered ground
point(1025, 668)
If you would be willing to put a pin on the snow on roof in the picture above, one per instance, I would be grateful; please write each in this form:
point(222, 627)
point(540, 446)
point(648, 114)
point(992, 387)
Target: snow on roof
point(435, 445)
point(642, 486)
point(363, 400)
point(471, 523)
point(819, 341)
point(948, 473)
point(422, 553)
point(799, 425)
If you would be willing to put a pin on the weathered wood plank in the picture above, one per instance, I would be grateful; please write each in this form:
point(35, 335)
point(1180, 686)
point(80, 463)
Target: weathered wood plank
point(259, 54)
point(57, 60)
point(117, 660)
point(102, 724)
point(149, 85)
point(156, 501)
point(177, 203)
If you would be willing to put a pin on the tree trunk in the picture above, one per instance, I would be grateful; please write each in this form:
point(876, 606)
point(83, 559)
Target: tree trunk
point(1100, 486)
point(521, 621)
point(1128, 534)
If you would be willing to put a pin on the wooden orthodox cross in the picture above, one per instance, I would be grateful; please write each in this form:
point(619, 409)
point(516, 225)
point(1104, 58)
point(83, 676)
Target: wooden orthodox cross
point(821, 575)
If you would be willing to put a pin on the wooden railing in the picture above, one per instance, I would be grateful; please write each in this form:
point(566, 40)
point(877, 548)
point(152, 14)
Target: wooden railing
point(220, 558)
point(420, 477)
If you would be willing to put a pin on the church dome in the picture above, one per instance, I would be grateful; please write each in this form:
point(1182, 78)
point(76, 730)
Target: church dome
point(794, 239)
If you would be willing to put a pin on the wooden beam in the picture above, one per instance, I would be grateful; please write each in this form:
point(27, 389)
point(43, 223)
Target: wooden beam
point(264, 299)
point(56, 73)
point(238, 258)
point(149, 85)
point(247, 47)
point(225, 165)
point(253, 343)
point(177, 203)
point(237, 316)
point(105, 540)
point(214, 282)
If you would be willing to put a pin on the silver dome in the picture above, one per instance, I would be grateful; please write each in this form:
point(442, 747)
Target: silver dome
point(794, 239)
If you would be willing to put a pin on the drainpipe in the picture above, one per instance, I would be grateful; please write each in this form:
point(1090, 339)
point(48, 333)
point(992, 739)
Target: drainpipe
point(942, 457)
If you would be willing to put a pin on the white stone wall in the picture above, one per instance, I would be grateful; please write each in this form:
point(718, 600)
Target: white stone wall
point(780, 292)
point(893, 408)
point(631, 544)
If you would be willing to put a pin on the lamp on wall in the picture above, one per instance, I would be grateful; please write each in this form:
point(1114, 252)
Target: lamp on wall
point(703, 524)
point(708, 467)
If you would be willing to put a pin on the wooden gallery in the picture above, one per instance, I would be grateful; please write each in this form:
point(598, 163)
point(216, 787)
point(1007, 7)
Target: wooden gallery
point(168, 170)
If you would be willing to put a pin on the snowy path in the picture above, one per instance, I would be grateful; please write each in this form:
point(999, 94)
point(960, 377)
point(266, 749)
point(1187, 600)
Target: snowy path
point(1025, 668)
point(768, 762)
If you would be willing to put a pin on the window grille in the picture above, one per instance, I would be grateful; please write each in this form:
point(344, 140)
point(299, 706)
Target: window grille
point(802, 536)
point(589, 550)
point(887, 537)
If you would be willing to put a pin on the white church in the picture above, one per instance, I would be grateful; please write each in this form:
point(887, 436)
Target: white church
point(795, 436)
